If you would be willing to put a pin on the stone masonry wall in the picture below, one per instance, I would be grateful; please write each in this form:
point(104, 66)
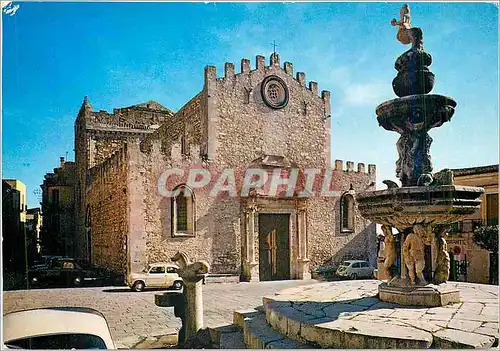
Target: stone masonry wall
point(217, 222)
point(246, 128)
point(327, 243)
point(103, 148)
point(106, 195)
point(186, 123)
point(98, 134)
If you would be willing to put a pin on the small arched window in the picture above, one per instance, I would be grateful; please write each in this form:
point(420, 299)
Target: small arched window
point(183, 212)
point(347, 213)
point(183, 145)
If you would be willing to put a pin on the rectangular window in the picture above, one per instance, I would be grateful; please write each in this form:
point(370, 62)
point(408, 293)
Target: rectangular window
point(492, 209)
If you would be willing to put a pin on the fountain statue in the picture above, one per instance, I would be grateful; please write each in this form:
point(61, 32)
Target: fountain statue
point(425, 205)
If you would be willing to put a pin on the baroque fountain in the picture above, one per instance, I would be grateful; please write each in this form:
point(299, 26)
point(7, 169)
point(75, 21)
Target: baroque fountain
point(426, 203)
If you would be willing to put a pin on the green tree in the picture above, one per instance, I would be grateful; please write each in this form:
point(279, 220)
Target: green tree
point(487, 238)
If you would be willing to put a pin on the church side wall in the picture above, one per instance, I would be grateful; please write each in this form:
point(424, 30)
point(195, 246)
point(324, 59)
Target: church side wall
point(217, 223)
point(106, 195)
point(185, 123)
point(327, 242)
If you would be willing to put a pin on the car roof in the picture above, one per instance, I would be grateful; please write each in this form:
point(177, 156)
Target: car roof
point(55, 320)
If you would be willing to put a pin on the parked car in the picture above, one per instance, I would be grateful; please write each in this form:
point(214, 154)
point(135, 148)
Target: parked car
point(355, 269)
point(103, 276)
point(44, 261)
point(156, 275)
point(326, 272)
point(56, 328)
point(62, 272)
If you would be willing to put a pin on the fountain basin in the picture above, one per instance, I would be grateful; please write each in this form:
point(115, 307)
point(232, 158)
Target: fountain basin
point(404, 207)
point(415, 112)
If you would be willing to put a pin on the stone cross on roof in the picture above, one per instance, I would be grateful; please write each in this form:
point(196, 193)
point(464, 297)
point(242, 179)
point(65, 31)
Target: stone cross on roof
point(274, 46)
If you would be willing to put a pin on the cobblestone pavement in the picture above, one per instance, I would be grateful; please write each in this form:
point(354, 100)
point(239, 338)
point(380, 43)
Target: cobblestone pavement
point(132, 316)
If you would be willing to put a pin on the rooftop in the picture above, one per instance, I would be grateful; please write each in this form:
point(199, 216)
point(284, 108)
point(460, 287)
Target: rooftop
point(475, 170)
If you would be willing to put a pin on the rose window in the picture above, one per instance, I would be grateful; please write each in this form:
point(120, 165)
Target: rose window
point(274, 92)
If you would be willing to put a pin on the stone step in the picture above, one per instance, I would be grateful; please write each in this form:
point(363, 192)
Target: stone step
point(345, 315)
point(227, 337)
point(222, 279)
point(258, 334)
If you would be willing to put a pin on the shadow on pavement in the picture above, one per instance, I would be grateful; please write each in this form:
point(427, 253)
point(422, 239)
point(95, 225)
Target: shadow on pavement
point(128, 290)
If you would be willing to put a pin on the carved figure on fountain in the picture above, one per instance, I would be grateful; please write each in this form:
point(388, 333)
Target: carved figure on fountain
point(407, 34)
point(389, 251)
point(443, 177)
point(190, 271)
point(414, 256)
point(413, 76)
point(414, 157)
point(442, 271)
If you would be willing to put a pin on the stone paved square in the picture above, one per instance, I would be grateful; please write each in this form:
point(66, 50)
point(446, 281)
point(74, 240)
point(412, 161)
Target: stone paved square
point(134, 316)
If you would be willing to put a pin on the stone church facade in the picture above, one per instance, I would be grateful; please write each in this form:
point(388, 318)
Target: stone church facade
point(262, 118)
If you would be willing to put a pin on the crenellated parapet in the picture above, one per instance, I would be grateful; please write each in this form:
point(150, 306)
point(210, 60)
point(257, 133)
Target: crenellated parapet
point(260, 66)
point(351, 167)
point(172, 153)
point(146, 116)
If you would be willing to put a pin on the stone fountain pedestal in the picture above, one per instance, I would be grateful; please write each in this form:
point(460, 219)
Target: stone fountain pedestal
point(425, 210)
point(429, 295)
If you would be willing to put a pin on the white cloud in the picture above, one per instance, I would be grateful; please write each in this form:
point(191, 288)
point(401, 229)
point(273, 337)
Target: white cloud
point(366, 94)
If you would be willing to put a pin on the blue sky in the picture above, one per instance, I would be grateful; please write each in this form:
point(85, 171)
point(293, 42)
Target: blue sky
point(120, 54)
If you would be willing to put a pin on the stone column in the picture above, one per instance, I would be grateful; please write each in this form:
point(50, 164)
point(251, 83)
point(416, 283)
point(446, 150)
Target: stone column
point(250, 265)
point(193, 275)
point(404, 270)
point(302, 260)
point(194, 306)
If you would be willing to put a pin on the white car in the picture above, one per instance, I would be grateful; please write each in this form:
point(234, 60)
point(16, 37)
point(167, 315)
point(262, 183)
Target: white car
point(355, 269)
point(56, 328)
point(156, 275)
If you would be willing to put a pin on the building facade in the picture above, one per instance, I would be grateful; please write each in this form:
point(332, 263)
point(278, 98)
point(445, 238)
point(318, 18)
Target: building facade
point(21, 188)
point(33, 232)
point(470, 262)
point(13, 225)
point(98, 134)
point(265, 119)
point(58, 208)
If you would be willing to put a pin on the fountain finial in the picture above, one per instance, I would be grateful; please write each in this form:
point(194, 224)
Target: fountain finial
point(407, 34)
